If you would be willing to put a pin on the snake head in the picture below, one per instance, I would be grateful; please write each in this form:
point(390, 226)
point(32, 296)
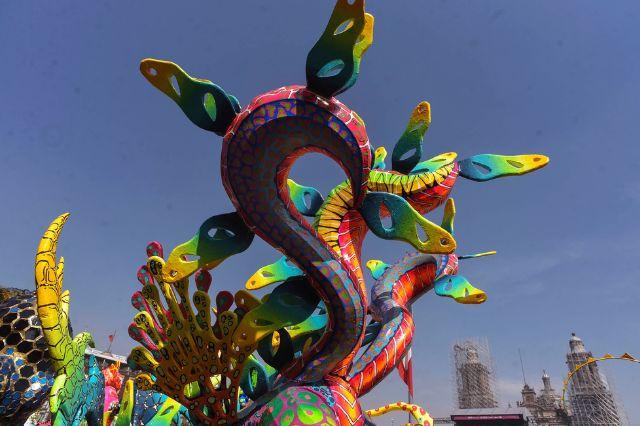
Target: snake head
point(207, 105)
point(275, 272)
point(483, 167)
point(377, 268)
point(333, 63)
point(217, 238)
point(459, 289)
point(405, 223)
point(379, 155)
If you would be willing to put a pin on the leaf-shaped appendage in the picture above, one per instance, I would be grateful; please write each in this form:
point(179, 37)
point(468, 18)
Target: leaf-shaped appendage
point(379, 155)
point(420, 414)
point(449, 215)
point(218, 238)
point(333, 64)
point(289, 304)
point(256, 378)
point(306, 198)
point(377, 268)
point(207, 105)
point(408, 150)
point(127, 401)
point(74, 396)
point(483, 167)
point(198, 363)
point(274, 273)
point(459, 289)
point(404, 222)
point(433, 164)
point(281, 348)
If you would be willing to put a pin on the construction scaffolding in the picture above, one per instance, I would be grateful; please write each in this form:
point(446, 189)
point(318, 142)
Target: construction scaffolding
point(474, 374)
point(591, 400)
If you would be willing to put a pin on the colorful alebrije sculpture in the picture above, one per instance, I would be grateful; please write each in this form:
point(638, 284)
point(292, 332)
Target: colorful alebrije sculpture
point(294, 353)
point(74, 397)
point(291, 357)
point(77, 397)
point(26, 375)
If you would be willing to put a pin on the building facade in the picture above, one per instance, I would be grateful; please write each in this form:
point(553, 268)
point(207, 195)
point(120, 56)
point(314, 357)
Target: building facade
point(546, 408)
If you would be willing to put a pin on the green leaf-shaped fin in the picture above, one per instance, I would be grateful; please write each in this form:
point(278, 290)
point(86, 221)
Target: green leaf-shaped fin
point(449, 215)
point(377, 268)
point(333, 64)
point(218, 238)
point(293, 339)
point(483, 167)
point(405, 221)
point(289, 304)
point(165, 413)
point(408, 150)
point(459, 289)
point(273, 273)
point(255, 378)
point(433, 164)
point(207, 105)
point(306, 198)
point(127, 401)
point(379, 156)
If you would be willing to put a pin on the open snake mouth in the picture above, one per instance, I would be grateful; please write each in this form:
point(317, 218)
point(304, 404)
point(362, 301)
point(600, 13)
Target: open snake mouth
point(459, 289)
point(474, 297)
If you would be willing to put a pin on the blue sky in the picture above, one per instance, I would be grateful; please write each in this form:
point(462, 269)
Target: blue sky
point(82, 131)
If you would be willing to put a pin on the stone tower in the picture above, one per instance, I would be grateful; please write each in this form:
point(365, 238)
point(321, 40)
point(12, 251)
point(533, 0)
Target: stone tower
point(546, 407)
point(591, 400)
point(474, 375)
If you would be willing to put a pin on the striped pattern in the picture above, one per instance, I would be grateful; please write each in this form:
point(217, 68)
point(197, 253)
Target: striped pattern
point(343, 228)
